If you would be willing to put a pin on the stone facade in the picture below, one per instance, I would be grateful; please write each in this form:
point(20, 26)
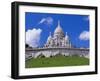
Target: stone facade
point(48, 52)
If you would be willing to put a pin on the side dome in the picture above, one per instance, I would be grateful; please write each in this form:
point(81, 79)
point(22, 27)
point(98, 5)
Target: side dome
point(66, 37)
point(49, 37)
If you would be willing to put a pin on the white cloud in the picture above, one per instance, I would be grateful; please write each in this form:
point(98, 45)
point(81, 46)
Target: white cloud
point(33, 37)
point(42, 20)
point(47, 20)
point(84, 35)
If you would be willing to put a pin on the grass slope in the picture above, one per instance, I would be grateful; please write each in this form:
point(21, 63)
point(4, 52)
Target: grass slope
point(56, 61)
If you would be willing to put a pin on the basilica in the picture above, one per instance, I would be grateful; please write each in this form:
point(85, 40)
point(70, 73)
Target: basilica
point(57, 43)
point(59, 39)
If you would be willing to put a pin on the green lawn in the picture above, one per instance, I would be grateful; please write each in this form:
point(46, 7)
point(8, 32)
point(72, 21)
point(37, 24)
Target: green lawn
point(56, 61)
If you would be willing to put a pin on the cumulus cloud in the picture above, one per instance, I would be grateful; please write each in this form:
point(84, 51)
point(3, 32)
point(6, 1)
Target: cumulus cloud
point(33, 37)
point(47, 20)
point(84, 35)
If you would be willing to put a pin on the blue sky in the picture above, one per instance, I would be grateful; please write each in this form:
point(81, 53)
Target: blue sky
point(44, 23)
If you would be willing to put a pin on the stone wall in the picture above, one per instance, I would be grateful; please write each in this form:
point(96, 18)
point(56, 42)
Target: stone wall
point(47, 52)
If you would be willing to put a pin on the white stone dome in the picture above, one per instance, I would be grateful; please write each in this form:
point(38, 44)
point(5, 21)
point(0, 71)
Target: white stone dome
point(58, 30)
point(66, 37)
point(49, 37)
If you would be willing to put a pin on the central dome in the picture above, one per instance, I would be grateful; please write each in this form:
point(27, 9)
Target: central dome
point(58, 30)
